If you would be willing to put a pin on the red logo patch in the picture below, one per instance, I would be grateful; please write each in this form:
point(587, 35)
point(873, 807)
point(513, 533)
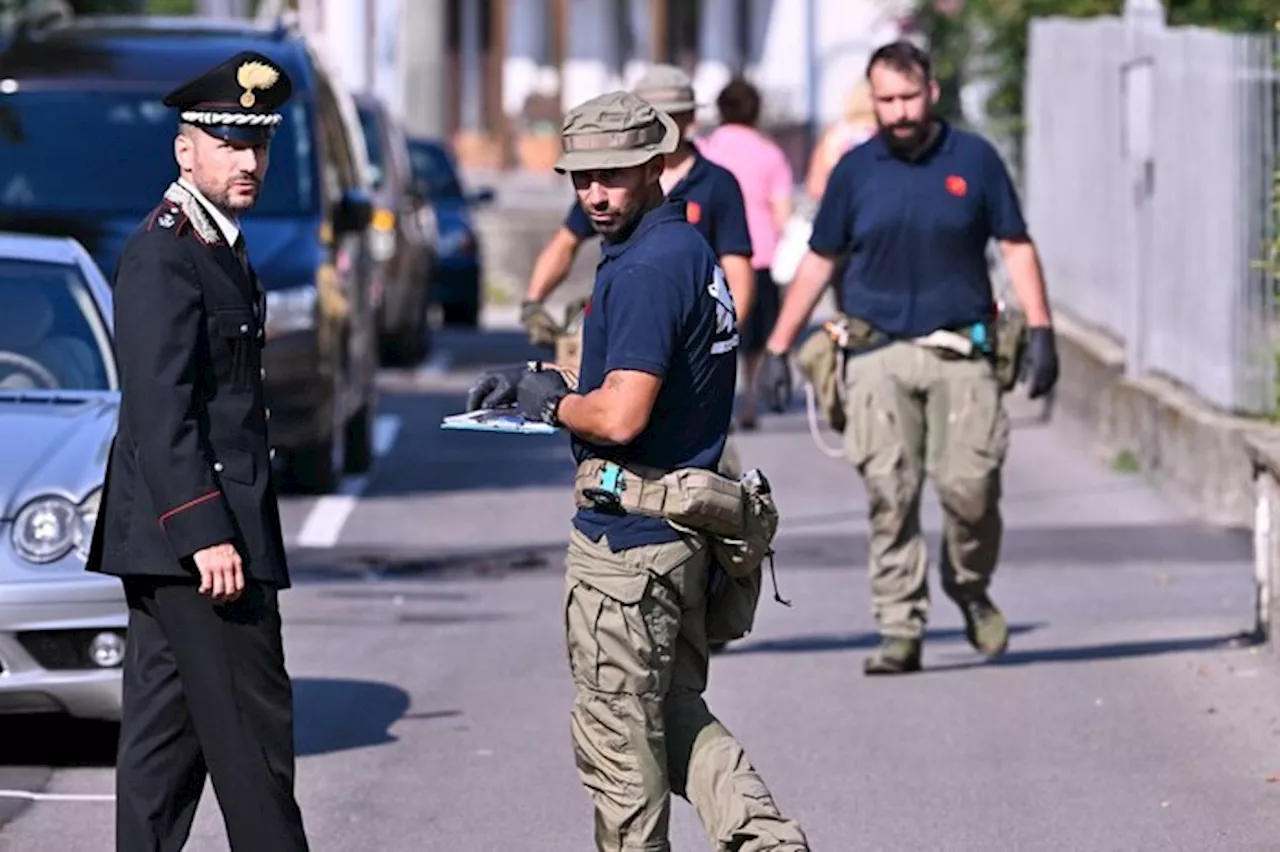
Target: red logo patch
point(586, 309)
point(957, 186)
point(693, 212)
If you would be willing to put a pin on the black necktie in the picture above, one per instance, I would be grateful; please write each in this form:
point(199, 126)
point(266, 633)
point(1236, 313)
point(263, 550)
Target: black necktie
point(242, 254)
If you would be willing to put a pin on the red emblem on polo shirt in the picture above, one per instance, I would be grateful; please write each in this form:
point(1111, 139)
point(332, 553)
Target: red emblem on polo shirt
point(693, 212)
point(956, 185)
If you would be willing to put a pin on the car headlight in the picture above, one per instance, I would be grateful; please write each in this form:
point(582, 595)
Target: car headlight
point(291, 309)
point(45, 529)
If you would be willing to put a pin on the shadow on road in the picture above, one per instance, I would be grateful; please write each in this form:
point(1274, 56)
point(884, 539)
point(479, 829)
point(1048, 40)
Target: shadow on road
point(1081, 546)
point(816, 643)
point(1108, 651)
point(58, 742)
point(343, 564)
point(821, 642)
point(332, 715)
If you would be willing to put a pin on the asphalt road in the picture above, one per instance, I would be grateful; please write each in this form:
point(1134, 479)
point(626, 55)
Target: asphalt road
point(424, 638)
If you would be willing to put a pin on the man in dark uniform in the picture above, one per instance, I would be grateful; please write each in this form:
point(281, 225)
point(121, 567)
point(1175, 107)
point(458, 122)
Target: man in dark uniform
point(914, 208)
point(659, 363)
point(709, 193)
point(189, 519)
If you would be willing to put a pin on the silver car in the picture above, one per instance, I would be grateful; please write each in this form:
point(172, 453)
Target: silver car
point(62, 630)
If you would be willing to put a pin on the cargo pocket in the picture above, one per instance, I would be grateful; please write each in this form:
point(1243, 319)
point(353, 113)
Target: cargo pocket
point(234, 326)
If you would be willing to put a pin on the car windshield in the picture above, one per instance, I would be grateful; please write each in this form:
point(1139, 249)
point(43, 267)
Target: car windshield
point(432, 166)
point(52, 336)
point(111, 153)
point(372, 142)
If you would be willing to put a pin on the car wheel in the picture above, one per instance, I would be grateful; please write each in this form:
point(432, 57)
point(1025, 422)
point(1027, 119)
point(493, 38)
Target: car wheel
point(313, 469)
point(318, 468)
point(461, 314)
point(359, 438)
point(407, 345)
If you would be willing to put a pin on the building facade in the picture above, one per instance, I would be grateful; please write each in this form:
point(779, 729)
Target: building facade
point(495, 76)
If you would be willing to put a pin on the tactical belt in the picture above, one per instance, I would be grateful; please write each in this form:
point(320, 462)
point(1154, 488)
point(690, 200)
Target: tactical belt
point(856, 336)
point(610, 487)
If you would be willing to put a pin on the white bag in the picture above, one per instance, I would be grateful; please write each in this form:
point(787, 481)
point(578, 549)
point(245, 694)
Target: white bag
point(792, 246)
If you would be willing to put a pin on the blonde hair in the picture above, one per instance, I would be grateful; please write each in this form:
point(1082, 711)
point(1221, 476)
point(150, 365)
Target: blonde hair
point(858, 108)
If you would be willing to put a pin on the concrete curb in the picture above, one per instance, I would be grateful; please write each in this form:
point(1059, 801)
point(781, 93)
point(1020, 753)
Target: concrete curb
point(1181, 444)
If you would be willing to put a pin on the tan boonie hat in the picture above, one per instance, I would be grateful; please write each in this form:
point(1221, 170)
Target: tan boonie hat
point(668, 88)
point(616, 130)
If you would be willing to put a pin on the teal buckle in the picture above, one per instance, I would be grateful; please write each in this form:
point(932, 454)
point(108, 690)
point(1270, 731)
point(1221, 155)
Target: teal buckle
point(980, 338)
point(606, 498)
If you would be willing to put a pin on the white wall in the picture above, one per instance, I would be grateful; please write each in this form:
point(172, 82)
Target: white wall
point(845, 33)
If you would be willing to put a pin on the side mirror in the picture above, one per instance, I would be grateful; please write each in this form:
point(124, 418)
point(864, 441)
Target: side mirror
point(353, 212)
point(483, 195)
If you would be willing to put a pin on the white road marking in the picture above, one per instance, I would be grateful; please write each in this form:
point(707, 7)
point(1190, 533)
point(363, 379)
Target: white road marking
point(437, 364)
point(323, 524)
point(57, 797)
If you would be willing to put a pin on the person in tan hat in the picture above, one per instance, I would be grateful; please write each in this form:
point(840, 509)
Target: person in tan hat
point(654, 395)
point(711, 195)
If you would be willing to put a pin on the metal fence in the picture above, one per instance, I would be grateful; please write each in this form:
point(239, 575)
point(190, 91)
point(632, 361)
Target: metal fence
point(1148, 165)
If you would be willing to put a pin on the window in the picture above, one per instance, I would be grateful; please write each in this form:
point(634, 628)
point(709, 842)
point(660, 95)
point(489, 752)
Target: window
point(339, 165)
point(432, 166)
point(372, 129)
point(52, 336)
point(111, 153)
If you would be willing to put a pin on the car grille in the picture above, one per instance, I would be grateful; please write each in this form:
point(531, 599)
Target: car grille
point(60, 649)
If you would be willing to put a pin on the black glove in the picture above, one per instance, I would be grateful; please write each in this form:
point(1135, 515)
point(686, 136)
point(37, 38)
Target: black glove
point(538, 395)
point(775, 382)
point(495, 388)
point(1040, 361)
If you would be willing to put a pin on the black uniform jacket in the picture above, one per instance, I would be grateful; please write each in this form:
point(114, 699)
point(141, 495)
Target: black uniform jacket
point(190, 464)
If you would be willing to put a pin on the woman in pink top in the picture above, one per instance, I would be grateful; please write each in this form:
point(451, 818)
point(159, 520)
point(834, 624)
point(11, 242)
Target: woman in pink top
point(766, 182)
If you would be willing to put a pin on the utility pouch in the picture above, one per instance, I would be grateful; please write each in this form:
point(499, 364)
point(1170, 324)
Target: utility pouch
point(1010, 343)
point(820, 360)
point(738, 516)
point(731, 604)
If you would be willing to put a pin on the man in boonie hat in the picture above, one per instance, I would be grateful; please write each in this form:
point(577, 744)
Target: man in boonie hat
point(655, 393)
point(712, 203)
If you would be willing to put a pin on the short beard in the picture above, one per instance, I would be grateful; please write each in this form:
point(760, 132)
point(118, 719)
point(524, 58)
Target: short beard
point(916, 144)
point(221, 198)
point(627, 221)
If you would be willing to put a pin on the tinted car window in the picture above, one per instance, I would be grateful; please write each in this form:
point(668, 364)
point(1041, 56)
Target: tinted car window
point(373, 143)
point(51, 334)
point(112, 153)
point(432, 166)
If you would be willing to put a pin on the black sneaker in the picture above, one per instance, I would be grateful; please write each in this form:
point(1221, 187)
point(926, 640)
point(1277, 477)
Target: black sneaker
point(894, 656)
point(985, 627)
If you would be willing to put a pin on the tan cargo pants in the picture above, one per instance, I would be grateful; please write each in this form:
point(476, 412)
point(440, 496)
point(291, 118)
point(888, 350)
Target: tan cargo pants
point(635, 629)
point(914, 411)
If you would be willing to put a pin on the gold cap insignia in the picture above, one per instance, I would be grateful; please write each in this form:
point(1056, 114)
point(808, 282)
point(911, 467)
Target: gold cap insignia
point(255, 75)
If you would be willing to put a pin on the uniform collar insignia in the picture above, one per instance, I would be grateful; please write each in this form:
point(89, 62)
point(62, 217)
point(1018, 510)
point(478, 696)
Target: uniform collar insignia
point(206, 229)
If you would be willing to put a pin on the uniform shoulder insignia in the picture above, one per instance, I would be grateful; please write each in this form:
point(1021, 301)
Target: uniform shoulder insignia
point(183, 205)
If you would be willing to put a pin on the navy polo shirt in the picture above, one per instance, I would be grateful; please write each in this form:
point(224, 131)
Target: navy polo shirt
point(660, 305)
point(917, 232)
point(712, 203)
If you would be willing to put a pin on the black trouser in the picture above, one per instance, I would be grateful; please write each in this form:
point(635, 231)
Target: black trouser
point(205, 693)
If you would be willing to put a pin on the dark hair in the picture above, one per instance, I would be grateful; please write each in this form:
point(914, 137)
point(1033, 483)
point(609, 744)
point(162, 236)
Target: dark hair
point(903, 57)
point(739, 103)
